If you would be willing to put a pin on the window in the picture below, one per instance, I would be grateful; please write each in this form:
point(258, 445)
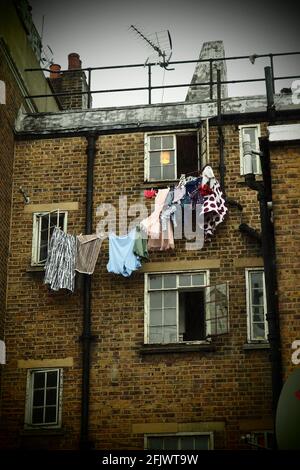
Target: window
point(256, 305)
point(43, 226)
point(189, 441)
point(254, 133)
point(167, 156)
point(43, 404)
point(181, 307)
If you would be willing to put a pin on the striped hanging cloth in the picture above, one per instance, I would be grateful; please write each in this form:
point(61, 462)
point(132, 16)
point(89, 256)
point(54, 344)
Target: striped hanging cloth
point(60, 264)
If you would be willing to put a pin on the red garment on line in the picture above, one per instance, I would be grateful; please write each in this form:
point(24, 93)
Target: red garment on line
point(150, 193)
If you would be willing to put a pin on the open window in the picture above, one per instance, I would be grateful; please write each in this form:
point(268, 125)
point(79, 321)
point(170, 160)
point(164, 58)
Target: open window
point(43, 226)
point(180, 307)
point(169, 155)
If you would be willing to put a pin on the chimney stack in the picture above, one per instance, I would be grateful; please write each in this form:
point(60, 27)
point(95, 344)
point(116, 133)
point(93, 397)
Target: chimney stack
point(55, 71)
point(210, 50)
point(74, 61)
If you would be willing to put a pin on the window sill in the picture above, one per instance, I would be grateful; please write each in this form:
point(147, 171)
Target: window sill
point(42, 432)
point(35, 269)
point(158, 184)
point(176, 348)
point(251, 346)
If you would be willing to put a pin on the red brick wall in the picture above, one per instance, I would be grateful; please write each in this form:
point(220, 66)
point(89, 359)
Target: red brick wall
point(285, 167)
point(8, 114)
point(230, 384)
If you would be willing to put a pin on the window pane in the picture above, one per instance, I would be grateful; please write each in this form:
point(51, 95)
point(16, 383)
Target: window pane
point(171, 443)
point(51, 396)
point(187, 443)
point(38, 398)
point(258, 314)
point(170, 299)
point(184, 280)
point(61, 219)
point(256, 280)
point(168, 142)
point(156, 317)
point(258, 331)
point(37, 415)
point(39, 380)
point(155, 282)
point(155, 142)
point(198, 279)
point(155, 334)
point(155, 300)
point(52, 379)
point(168, 172)
point(201, 442)
point(155, 173)
point(257, 297)
point(154, 159)
point(50, 414)
point(169, 280)
point(170, 316)
point(170, 334)
point(255, 164)
point(155, 443)
point(252, 132)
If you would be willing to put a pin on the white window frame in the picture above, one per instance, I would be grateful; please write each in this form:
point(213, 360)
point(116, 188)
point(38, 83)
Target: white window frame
point(250, 338)
point(258, 134)
point(210, 435)
point(147, 301)
point(147, 136)
point(29, 399)
point(206, 287)
point(36, 234)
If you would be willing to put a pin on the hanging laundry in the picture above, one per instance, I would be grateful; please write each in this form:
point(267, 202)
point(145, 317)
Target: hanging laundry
point(157, 238)
point(2, 352)
point(60, 264)
point(150, 193)
point(140, 244)
point(88, 249)
point(122, 259)
point(208, 176)
point(151, 224)
point(214, 208)
point(179, 193)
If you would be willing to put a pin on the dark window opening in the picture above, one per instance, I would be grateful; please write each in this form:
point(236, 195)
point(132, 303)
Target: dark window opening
point(187, 154)
point(191, 315)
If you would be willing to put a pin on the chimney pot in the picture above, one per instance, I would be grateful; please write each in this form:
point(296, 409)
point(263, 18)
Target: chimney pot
point(74, 61)
point(55, 70)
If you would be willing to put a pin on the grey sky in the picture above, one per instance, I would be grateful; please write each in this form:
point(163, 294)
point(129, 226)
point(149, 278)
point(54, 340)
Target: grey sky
point(98, 31)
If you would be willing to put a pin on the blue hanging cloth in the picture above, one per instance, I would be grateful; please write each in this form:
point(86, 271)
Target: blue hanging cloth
point(122, 259)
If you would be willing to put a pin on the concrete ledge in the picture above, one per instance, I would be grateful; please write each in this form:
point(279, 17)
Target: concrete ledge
point(165, 428)
point(262, 424)
point(248, 262)
point(63, 206)
point(186, 265)
point(251, 346)
point(44, 363)
point(176, 348)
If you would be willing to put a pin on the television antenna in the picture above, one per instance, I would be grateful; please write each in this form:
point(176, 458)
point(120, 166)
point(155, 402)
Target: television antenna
point(46, 52)
point(160, 42)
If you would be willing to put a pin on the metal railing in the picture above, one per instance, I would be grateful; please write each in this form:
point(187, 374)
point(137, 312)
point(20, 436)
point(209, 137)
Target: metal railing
point(89, 92)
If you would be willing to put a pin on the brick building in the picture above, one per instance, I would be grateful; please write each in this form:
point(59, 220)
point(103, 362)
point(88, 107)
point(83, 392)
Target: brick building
point(101, 381)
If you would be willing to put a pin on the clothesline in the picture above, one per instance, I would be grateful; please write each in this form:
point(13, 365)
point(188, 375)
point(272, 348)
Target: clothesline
point(68, 254)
